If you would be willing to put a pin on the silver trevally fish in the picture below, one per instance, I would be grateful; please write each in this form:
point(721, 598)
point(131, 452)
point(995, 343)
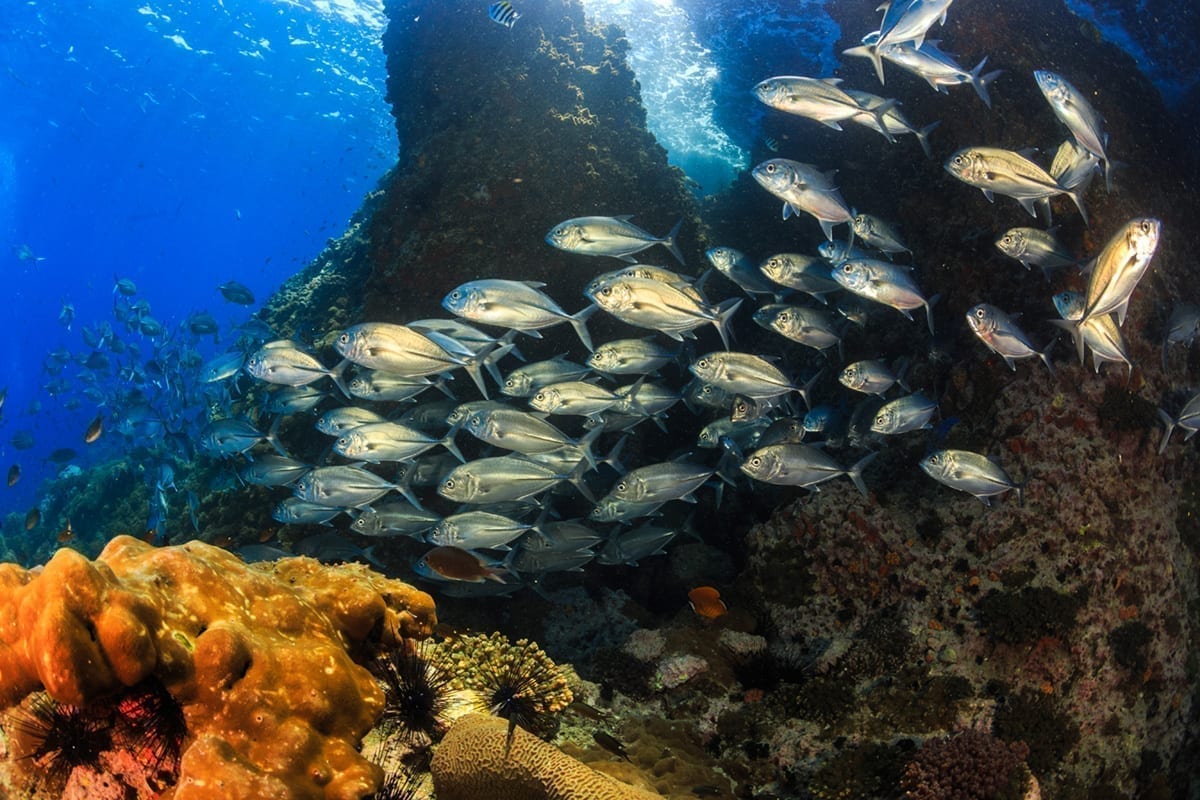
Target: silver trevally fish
point(868, 376)
point(285, 364)
point(884, 283)
point(937, 68)
point(378, 385)
point(520, 431)
point(878, 234)
point(652, 304)
point(997, 330)
point(904, 21)
point(227, 437)
point(818, 99)
point(501, 479)
point(609, 236)
point(734, 265)
point(1119, 267)
point(525, 380)
point(1073, 109)
point(395, 348)
point(808, 326)
point(800, 465)
point(294, 511)
point(904, 414)
point(996, 171)
point(271, 469)
point(573, 397)
point(801, 273)
point(631, 357)
point(743, 374)
point(393, 519)
point(1101, 333)
point(477, 529)
point(342, 486)
point(1033, 246)
point(1188, 419)
point(520, 305)
point(669, 480)
point(802, 187)
point(389, 441)
point(970, 472)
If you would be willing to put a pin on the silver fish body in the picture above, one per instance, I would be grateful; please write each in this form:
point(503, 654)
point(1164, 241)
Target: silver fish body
point(394, 348)
point(393, 519)
point(800, 465)
point(630, 357)
point(1121, 264)
point(1101, 334)
point(387, 441)
point(878, 234)
point(742, 373)
point(609, 236)
point(884, 283)
point(904, 414)
point(524, 381)
point(808, 326)
point(286, 365)
point(294, 511)
point(818, 99)
point(802, 188)
point(648, 303)
point(573, 397)
point(344, 486)
point(969, 472)
point(1183, 326)
point(998, 331)
point(1035, 247)
point(1073, 110)
point(516, 430)
point(800, 273)
point(271, 469)
point(519, 305)
point(868, 376)
point(996, 171)
point(477, 529)
point(498, 479)
point(1188, 419)
point(669, 480)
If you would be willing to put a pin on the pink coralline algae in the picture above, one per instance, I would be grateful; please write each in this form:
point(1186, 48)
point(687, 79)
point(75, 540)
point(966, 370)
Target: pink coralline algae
point(969, 766)
point(675, 671)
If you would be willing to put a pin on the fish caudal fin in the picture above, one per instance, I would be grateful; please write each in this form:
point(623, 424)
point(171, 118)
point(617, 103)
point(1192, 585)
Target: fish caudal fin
point(923, 137)
point(725, 312)
point(579, 323)
point(855, 473)
point(668, 242)
point(1170, 422)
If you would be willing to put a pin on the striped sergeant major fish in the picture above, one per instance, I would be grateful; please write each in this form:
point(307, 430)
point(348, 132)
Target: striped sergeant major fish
point(503, 13)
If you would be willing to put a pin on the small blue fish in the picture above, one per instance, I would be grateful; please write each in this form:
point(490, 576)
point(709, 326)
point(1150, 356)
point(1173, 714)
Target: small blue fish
point(503, 13)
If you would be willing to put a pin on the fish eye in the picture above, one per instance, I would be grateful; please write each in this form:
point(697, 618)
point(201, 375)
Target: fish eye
point(770, 168)
point(960, 160)
point(606, 291)
point(980, 313)
point(621, 486)
point(449, 483)
point(784, 316)
point(344, 338)
point(756, 461)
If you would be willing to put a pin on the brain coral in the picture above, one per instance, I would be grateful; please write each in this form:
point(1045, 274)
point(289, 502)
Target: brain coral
point(471, 763)
point(260, 657)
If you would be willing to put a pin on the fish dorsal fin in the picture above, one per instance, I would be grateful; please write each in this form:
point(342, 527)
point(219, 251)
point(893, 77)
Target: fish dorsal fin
point(624, 217)
point(831, 81)
point(533, 284)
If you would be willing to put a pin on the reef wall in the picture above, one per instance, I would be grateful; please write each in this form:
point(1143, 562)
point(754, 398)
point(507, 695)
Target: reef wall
point(504, 132)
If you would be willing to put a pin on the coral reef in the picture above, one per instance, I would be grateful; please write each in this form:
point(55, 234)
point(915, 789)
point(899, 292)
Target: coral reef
point(970, 765)
point(260, 658)
point(476, 759)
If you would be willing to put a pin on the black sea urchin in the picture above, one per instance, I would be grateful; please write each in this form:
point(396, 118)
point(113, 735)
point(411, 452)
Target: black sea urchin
point(54, 738)
point(417, 693)
point(524, 687)
point(152, 727)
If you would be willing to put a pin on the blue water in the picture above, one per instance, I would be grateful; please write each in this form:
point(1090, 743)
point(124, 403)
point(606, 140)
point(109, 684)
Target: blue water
point(178, 144)
point(185, 144)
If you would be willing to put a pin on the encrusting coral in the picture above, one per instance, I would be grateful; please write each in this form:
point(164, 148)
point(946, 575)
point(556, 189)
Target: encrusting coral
point(476, 760)
point(261, 658)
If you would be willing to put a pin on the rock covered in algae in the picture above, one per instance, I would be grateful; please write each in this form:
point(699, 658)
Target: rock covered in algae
point(260, 657)
point(475, 760)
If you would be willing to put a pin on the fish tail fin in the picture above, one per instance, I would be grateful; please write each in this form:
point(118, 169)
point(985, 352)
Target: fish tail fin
point(613, 459)
point(1076, 194)
point(669, 243)
point(855, 473)
point(923, 137)
point(450, 444)
point(981, 81)
point(878, 112)
point(579, 323)
point(1076, 332)
point(335, 375)
point(491, 360)
point(585, 445)
point(929, 304)
point(273, 436)
point(1170, 422)
point(576, 480)
point(877, 60)
point(473, 369)
point(806, 390)
point(725, 312)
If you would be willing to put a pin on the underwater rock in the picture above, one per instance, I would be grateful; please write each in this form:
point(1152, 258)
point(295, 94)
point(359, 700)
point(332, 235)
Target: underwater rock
point(259, 657)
